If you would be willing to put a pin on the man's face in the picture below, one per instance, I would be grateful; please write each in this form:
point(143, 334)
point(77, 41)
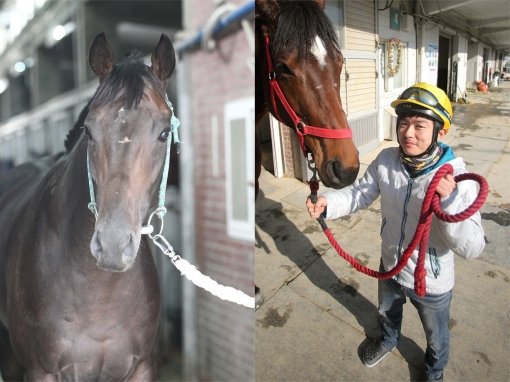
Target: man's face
point(415, 134)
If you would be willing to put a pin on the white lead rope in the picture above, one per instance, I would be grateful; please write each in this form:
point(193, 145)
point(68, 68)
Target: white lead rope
point(192, 273)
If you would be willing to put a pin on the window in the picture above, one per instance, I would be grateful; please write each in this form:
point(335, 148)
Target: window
point(335, 12)
point(240, 164)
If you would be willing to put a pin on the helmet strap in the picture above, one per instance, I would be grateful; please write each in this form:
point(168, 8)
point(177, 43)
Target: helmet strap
point(437, 128)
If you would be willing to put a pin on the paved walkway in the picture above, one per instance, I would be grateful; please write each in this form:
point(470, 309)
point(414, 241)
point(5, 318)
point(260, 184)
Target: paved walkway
point(319, 313)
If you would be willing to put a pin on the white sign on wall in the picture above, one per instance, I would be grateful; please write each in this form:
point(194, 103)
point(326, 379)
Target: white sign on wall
point(432, 55)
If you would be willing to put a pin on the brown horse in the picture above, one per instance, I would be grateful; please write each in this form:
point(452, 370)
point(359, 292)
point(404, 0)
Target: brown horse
point(297, 51)
point(79, 295)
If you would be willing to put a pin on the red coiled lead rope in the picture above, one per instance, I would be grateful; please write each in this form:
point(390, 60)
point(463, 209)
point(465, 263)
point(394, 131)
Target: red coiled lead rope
point(431, 204)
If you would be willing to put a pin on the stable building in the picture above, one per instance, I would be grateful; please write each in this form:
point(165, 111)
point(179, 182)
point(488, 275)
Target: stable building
point(45, 81)
point(388, 45)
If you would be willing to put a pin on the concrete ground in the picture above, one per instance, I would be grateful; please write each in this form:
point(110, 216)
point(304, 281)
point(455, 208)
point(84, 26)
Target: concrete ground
point(319, 313)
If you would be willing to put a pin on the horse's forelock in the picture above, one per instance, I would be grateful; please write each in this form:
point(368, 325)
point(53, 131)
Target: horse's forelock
point(298, 25)
point(127, 83)
point(73, 136)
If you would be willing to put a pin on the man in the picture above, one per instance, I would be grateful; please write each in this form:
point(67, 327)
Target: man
point(400, 176)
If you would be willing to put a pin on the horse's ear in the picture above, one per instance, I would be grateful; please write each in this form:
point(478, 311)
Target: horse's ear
point(267, 11)
point(322, 3)
point(163, 58)
point(101, 56)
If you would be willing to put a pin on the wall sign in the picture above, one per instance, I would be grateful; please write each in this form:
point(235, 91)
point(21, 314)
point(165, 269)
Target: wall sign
point(394, 19)
point(432, 55)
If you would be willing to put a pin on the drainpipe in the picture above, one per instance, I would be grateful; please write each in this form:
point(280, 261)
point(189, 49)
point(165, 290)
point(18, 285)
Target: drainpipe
point(189, 311)
point(418, 39)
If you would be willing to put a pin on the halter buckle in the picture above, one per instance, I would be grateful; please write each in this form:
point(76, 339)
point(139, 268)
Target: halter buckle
point(149, 229)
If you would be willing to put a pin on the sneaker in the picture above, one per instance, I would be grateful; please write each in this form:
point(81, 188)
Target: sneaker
point(430, 378)
point(374, 354)
point(259, 297)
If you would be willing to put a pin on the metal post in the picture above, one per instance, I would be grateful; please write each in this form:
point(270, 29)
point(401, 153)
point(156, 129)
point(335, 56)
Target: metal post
point(189, 314)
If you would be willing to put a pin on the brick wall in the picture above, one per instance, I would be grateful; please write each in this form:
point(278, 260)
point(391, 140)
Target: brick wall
point(225, 330)
point(288, 155)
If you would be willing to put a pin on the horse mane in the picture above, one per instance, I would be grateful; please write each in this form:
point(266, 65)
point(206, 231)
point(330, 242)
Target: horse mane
point(75, 133)
point(298, 24)
point(126, 83)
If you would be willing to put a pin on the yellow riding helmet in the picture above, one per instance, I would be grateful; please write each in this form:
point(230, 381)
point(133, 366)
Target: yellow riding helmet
point(428, 97)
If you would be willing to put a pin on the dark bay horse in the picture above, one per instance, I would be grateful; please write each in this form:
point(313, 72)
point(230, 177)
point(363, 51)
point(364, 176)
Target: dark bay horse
point(296, 45)
point(79, 295)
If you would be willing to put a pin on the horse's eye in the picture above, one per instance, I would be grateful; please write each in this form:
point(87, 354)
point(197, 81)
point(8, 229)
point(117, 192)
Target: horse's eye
point(87, 132)
point(284, 69)
point(163, 137)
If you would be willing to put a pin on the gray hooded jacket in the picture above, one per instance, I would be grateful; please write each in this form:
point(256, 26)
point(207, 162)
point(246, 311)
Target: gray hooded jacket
point(401, 200)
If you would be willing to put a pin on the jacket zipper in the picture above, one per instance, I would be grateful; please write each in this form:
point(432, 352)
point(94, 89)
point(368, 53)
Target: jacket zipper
point(404, 217)
point(435, 265)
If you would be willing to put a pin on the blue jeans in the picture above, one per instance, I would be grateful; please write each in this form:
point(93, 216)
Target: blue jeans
point(434, 311)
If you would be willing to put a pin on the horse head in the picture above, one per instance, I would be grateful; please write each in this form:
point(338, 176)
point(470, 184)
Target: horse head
point(127, 126)
point(297, 49)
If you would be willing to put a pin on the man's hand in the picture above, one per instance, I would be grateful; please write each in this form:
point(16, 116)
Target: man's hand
point(446, 186)
point(315, 210)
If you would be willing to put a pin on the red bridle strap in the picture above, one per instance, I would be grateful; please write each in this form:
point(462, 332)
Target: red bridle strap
point(301, 128)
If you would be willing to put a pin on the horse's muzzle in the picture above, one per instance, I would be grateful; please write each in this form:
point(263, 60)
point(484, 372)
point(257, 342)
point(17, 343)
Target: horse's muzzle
point(338, 176)
point(114, 250)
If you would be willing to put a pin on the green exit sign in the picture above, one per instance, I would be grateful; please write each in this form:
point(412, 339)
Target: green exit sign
point(394, 19)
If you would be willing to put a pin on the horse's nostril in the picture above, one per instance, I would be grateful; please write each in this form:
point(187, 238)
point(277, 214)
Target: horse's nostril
point(339, 176)
point(130, 242)
point(335, 171)
point(337, 168)
point(95, 245)
point(129, 251)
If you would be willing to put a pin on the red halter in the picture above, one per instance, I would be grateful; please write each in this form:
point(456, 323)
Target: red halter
point(301, 128)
